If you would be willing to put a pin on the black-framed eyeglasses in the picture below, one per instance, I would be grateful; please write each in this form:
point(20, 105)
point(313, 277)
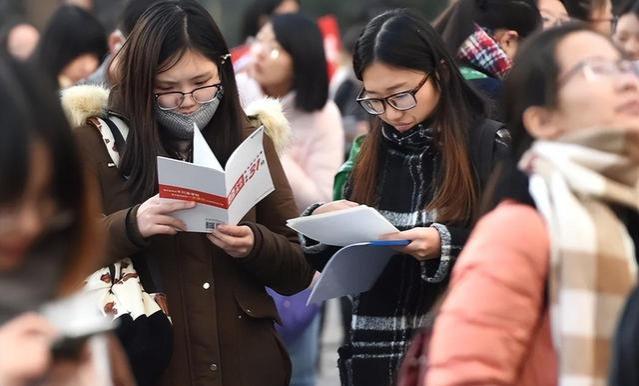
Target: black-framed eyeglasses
point(401, 101)
point(174, 99)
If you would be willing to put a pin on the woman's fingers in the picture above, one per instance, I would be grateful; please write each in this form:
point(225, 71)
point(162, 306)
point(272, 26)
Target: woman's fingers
point(237, 241)
point(425, 242)
point(237, 231)
point(231, 241)
point(169, 206)
point(170, 221)
point(335, 205)
point(163, 230)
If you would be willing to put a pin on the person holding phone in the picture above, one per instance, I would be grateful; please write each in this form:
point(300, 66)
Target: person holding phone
point(49, 238)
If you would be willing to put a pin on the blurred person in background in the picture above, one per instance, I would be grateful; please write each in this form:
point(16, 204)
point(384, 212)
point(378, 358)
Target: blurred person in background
point(255, 16)
point(483, 36)
point(19, 39)
point(49, 237)
point(126, 21)
point(553, 13)
point(290, 64)
point(626, 33)
point(344, 89)
point(84, 4)
point(544, 311)
point(259, 13)
point(72, 46)
point(174, 73)
point(597, 13)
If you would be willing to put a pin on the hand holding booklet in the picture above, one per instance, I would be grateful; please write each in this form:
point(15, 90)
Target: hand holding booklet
point(222, 196)
point(356, 267)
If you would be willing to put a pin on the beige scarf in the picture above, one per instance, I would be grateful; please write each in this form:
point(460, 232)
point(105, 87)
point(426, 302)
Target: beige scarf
point(574, 181)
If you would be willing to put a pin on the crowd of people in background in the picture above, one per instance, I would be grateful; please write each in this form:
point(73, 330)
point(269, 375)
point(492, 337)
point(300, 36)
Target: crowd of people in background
point(501, 139)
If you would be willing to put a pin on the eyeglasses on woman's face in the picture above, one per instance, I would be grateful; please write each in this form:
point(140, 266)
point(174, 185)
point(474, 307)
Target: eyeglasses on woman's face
point(173, 99)
point(401, 101)
point(599, 69)
point(270, 48)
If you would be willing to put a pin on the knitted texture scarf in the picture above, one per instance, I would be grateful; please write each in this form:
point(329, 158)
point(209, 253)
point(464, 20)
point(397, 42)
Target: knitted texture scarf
point(386, 317)
point(483, 52)
point(576, 183)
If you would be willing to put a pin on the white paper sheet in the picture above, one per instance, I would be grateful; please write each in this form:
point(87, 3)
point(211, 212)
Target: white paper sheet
point(352, 270)
point(202, 153)
point(344, 227)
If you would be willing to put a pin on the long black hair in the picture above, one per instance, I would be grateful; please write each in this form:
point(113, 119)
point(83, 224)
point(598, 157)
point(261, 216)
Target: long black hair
point(583, 9)
point(302, 39)
point(630, 6)
point(164, 33)
point(404, 39)
point(458, 21)
point(30, 113)
point(256, 15)
point(71, 32)
point(533, 81)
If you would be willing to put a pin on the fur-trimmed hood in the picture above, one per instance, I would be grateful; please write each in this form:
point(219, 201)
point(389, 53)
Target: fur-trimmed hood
point(85, 101)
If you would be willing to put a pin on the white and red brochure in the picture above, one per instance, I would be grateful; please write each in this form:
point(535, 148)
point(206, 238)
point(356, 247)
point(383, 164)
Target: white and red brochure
point(222, 196)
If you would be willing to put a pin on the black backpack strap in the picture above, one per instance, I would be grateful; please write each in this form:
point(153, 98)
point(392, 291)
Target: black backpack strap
point(483, 143)
point(120, 141)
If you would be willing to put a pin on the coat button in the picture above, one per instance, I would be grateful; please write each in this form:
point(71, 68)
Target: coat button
point(213, 367)
point(206, 286)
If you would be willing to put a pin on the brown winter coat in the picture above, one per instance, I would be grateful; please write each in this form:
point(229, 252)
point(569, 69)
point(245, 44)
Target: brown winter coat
point(222, 316)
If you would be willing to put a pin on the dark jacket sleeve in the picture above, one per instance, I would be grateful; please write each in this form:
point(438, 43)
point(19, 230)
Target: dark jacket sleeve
point(277, 259)
point(123, 235)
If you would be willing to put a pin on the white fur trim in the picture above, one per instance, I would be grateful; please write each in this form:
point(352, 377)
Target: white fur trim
point(82, 102)
point(268, 112)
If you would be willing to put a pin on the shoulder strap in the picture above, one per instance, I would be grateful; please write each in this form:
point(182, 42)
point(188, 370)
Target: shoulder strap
point(114, 134)
point(482, 148)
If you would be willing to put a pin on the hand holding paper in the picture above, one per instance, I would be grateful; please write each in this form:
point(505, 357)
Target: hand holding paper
point(154, 216)
point(223, 196)
point(343, 227)
point(356, 267)
point(237, 241)
point(334, 206)
point(425, 242)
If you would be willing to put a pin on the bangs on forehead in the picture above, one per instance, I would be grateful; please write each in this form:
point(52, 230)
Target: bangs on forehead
point(173, 59)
